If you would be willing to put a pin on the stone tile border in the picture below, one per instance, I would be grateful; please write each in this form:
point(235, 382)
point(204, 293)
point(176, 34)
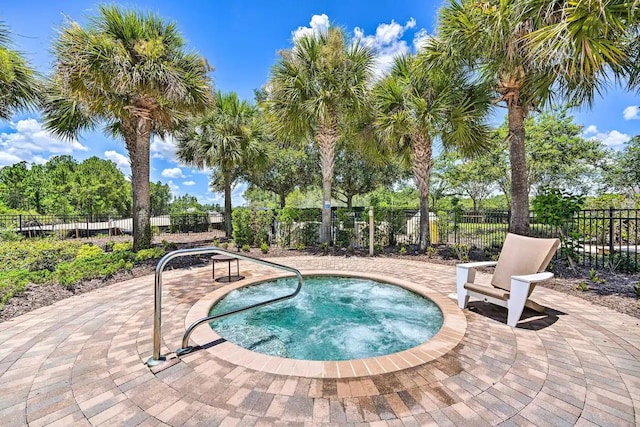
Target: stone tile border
point(448, 337)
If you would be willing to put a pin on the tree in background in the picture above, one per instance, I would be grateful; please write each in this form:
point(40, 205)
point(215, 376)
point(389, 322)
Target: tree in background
point(475, 178)
point(314, 89)
point(19, 86)
point(185, 203)
point(231, 138)
point(489, 37)
point(355, 174)
point(414, 105)
point(62, 186)
point(129, 71)
point(623, 171)
point(288, 168)
point(160, 198)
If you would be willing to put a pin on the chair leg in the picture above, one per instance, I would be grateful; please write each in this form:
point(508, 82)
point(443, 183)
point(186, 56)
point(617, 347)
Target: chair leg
point(463, 276)
point(517, 300)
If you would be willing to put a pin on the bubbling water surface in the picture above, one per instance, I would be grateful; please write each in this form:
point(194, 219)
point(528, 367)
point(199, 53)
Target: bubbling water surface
point(332, 318)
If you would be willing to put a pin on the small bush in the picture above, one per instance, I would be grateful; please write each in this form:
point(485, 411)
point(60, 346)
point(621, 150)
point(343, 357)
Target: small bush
point(225, 246)
point(300, 247)
point(122, 247)
point(152, 253)
point(430, 251)
point(403, 250)
point(8, 235)
point(246, 248)
point(89, 251)
point(264, 247)
point(169, 246)
point(103, 265)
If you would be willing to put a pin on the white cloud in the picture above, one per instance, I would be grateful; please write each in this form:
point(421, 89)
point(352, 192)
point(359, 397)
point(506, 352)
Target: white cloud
point(319, 24)
point(591, 129)
point(163, 148)
point(28, 141)
point(173, 173)
point(420, 38)
point(632, 112)
point(189, 183)
point(121, 161)
point(612, 139)
point(387, 43)
point(174, 188)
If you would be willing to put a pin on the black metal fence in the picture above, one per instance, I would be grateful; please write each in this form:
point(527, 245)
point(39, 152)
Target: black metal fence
point(76, 226)
point(598, 238)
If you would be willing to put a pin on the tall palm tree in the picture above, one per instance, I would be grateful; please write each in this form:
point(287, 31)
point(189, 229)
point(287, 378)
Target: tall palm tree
point(231, 139)
point(314, 90)
point(414, 105)
point(589, 43)
point(128, 71)
point(490, 38)
point(19, 86)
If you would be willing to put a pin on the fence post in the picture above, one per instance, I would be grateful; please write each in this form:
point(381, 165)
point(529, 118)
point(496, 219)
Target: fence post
point(371, 231)
point(611, 230)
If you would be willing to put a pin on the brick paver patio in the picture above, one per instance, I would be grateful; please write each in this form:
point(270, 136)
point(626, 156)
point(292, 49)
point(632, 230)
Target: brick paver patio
point(81, 361)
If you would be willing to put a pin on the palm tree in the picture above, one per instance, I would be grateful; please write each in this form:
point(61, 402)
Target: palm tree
point(490, 38)
point(128, 71)
point(19, 86)
point(231, 139)
point(587, 43)
point(314, 90)
point(415, 104)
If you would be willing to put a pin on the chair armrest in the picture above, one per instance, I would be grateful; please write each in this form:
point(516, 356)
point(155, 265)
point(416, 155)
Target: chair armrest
point(533, 278)
point(477, 264)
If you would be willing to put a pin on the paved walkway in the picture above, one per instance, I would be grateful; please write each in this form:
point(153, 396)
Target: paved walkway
point(80, 361)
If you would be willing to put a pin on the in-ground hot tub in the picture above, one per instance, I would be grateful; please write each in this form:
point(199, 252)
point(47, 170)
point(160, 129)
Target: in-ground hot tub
point(451, 332)
point(332, 318)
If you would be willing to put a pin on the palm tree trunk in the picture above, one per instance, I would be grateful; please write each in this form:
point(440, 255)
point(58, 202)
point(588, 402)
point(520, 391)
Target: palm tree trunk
point(228, 226)
point(519, 184)
point(326, 138)
point(422, 171)
point(138, 140)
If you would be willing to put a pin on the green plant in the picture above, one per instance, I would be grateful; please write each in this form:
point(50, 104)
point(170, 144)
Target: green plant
point(151, 253)
point(403, 250)
point(636, 289)
point(88, 251)
point(324, 247)
point(431, 251)
point(558, 208)
point(462, 251)
point(102, 265)
point(264, 247)
point(168, 246)
point(216, 242)
point(300, 246)
point(224, 245)
point(377, 248)
point(122, 247)
point(108, 246)
point(593, 276)
point(9, 235)
point(246, 248)
point(582, 286)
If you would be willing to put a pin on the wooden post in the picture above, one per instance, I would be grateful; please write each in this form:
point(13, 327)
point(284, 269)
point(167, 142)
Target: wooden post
point(371, 231)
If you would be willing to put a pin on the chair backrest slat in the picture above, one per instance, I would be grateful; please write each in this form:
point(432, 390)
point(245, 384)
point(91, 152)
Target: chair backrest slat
point(520, 256)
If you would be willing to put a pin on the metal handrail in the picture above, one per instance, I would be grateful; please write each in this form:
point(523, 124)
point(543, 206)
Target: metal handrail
point(157, 358)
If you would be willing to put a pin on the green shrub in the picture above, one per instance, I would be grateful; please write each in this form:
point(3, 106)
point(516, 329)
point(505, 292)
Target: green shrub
point(264, 247)
point(197, 222)
point(225, 245)
point(8, 235)
point(88, 251)
point(102, 265)
point(250, 226)
point(122, 247)
point(168, 246)
point(152, 253)
point(11, 283)
point(246, 248)
point(403, 250)
point(36, 254)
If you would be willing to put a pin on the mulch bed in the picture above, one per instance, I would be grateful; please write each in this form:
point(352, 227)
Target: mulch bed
point(612, 290)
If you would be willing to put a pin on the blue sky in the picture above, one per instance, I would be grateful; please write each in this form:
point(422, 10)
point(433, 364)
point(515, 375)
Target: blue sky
point(241, 40)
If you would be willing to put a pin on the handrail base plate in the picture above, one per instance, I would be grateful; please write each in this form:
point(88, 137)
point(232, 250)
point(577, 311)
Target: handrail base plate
point(155, 362)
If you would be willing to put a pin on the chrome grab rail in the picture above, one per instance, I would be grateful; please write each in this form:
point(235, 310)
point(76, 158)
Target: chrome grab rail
point(157, 358)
